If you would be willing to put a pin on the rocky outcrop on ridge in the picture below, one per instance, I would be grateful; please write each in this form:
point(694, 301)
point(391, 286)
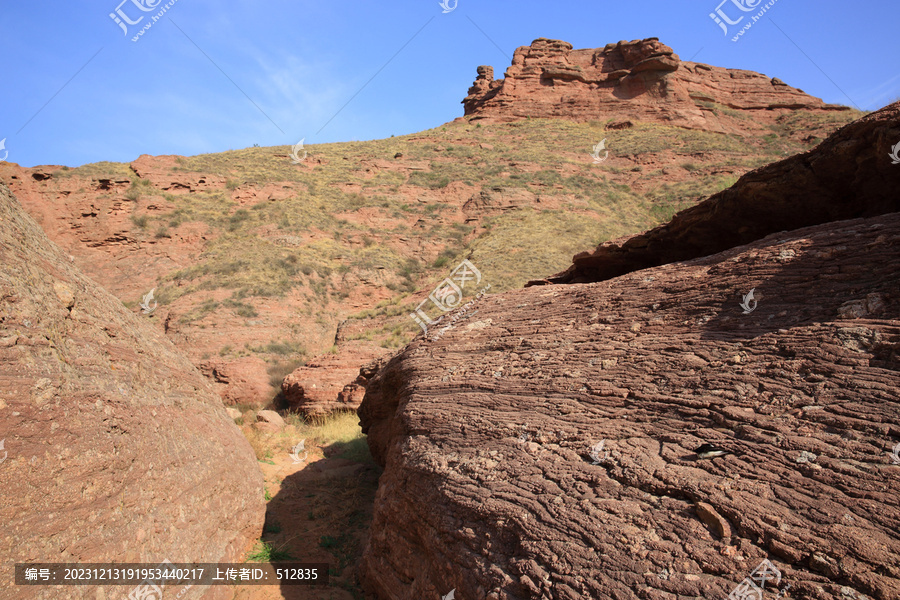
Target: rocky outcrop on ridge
point(547, 447)
point(641, 79)
point(115, 448)
point(849, 175)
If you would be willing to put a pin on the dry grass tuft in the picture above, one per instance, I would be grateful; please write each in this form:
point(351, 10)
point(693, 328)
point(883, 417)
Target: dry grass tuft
point(339, 431)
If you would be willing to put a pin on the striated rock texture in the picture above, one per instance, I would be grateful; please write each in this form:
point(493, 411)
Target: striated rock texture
point(115, 447)
point(486, 435)
point(849, 175)
point(333, 381)
point(641, 79)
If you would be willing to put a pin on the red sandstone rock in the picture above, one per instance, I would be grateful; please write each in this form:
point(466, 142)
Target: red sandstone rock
point(641, 79)
point(270, 417)
point(252, 194)
point(241, 380)
point(163, 174)
point(499, 200)
point(333, 381)
point(495, 480)
point(486, 434)
point(116, 448)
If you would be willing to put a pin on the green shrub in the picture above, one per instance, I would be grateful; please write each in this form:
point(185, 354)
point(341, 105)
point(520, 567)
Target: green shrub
point(265, 552)
point(430, 180)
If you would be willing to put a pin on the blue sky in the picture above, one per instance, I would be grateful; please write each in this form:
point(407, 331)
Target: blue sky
point(210, 76)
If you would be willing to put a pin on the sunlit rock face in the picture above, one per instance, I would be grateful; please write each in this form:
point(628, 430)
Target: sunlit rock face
point(641, 79)
point(115, 448)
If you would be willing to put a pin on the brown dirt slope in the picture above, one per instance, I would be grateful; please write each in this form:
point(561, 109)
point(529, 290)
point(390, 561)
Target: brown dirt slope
point(115, 447)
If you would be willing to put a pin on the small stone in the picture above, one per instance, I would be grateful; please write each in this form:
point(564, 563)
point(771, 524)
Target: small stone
point(805, 457)
point(65, 293)
point(713, 520)
point(854, 309)
point(271, 417)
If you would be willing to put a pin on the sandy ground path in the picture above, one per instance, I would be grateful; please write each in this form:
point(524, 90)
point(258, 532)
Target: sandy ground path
point(320, 511)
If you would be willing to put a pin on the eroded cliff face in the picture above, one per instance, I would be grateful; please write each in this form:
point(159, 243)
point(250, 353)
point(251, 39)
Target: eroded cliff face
point(115, 447)
point(547, 445)
point(641, 79)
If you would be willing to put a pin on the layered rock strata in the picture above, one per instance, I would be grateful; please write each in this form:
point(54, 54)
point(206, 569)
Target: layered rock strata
point(547, 447)
point(641, 79)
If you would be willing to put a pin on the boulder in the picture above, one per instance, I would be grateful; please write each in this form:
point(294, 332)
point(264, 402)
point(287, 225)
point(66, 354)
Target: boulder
point(270, 417)
point(117, 449)
point(494, 484)
point(243, 380)
point(333, 381)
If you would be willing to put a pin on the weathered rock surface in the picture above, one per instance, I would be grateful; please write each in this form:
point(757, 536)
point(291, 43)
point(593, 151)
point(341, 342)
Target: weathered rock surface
point(160, 172)
point(849, 175)
point(490, 486)
point(240, 380)
point(641, 79)
point(497, 483)
point(333, 381)
point(116, 447)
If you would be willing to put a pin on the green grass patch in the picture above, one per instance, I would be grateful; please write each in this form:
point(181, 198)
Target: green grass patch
point(266, 552)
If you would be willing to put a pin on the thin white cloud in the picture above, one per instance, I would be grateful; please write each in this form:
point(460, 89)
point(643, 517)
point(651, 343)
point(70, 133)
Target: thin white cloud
point(302, 95)
point(882, 94)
